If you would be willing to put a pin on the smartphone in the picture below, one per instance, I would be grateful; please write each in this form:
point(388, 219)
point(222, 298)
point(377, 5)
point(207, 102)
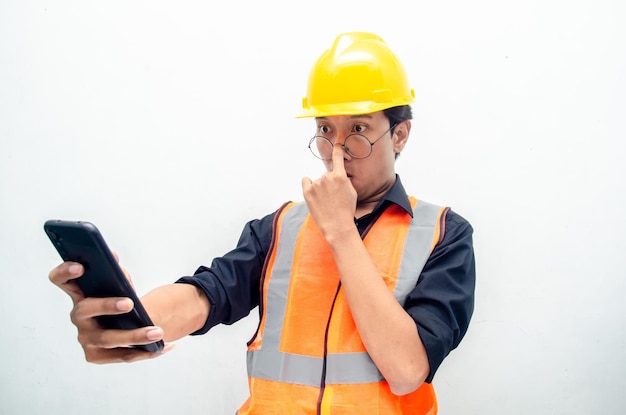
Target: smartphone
point(82, 242)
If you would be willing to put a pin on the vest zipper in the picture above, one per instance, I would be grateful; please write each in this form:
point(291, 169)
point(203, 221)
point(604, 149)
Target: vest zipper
point(332, 308)
point(323, 379)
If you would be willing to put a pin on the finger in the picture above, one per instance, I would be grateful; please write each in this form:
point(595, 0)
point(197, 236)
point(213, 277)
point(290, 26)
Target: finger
point(112, 339)
point(338, 165)
point(306, 184)
point(63, 276)
point(125, 354)
point(91, 307)
point(91, 334)
point(65, 272)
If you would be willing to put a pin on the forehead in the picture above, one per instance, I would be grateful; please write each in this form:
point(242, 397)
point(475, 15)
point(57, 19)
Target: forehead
point(339, 120)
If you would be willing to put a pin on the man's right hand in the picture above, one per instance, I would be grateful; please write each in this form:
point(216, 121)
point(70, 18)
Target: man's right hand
point(102, 345)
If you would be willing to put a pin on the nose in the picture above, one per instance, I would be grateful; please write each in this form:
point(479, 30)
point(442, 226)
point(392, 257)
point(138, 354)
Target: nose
point(341, 143)
point(340, 138)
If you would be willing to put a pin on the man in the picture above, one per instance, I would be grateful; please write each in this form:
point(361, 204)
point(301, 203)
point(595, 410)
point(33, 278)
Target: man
point(362, 290)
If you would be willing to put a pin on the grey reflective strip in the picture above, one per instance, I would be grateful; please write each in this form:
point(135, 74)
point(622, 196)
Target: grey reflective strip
point(417, 248)
point(276, 304)
point(285, 367)
point(347, 368)
point(342, 368)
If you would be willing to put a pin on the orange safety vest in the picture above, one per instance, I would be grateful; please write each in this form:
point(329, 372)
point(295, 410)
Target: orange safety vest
point(307, 356)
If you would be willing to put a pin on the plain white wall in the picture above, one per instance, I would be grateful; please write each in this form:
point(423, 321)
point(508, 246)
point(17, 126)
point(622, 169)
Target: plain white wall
point(171, 124)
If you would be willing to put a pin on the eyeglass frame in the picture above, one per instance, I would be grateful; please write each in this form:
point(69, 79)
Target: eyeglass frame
point(343, 145)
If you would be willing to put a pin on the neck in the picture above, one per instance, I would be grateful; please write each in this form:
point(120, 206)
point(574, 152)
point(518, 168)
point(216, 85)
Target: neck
point(367, 204)
point(362, 210)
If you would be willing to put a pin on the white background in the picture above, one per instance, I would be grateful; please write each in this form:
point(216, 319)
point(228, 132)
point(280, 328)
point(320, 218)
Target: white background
point(171, 124)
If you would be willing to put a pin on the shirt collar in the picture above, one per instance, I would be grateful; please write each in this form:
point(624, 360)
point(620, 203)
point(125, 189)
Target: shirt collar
point(396, 195)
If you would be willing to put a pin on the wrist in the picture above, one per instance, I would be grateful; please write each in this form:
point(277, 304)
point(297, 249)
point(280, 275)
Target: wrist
point(341, 237)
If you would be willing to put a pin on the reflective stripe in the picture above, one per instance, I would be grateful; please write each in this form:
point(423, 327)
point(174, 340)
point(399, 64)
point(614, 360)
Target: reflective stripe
point(344, 368)
point(284, 367)
point(418, 247)
point(270, 363)
point(279, 283)
point(349, 368)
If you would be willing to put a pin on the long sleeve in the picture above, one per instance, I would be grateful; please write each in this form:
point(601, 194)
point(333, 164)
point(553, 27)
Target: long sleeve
point(442, 302)
point(232, 281)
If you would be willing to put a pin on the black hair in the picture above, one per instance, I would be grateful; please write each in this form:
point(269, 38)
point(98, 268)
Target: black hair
point(396, 115)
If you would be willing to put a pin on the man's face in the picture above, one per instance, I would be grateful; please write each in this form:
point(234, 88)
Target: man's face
point(375, 172)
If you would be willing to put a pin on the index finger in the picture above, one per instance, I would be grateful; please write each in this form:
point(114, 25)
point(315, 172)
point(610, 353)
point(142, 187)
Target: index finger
point(338, 165)
point(63, 276)
point(65, 272)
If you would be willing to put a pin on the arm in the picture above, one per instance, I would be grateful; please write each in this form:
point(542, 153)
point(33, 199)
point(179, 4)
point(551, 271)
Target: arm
point(223, 293)
point(178, 309)
point(442, 302)
point(175, 309)
point(229, 288)
point(388, 332)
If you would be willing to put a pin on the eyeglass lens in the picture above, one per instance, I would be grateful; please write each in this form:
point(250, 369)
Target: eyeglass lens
point(356, 145)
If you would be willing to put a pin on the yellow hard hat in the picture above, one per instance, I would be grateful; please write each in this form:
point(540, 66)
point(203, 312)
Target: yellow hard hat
point(359, 74)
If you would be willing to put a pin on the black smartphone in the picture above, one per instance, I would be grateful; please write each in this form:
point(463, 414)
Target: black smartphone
point(82, 242)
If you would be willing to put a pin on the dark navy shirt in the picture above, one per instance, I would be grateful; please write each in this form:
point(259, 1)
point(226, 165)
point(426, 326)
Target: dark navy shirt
point(441, 303)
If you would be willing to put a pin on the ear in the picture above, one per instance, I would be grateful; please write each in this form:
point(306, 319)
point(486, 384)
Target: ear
point(401, 135)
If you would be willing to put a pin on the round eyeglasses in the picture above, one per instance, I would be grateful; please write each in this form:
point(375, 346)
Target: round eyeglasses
point(356, 145)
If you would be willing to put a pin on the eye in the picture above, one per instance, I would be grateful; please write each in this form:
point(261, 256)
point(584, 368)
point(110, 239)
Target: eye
point(324, 130)
point(359, 128)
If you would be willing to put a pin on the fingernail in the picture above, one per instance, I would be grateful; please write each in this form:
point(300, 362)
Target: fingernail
point(155, 333)
point(75, 269)
point(124, 305)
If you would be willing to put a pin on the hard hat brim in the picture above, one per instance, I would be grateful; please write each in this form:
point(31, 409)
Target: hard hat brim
point(350, 108)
